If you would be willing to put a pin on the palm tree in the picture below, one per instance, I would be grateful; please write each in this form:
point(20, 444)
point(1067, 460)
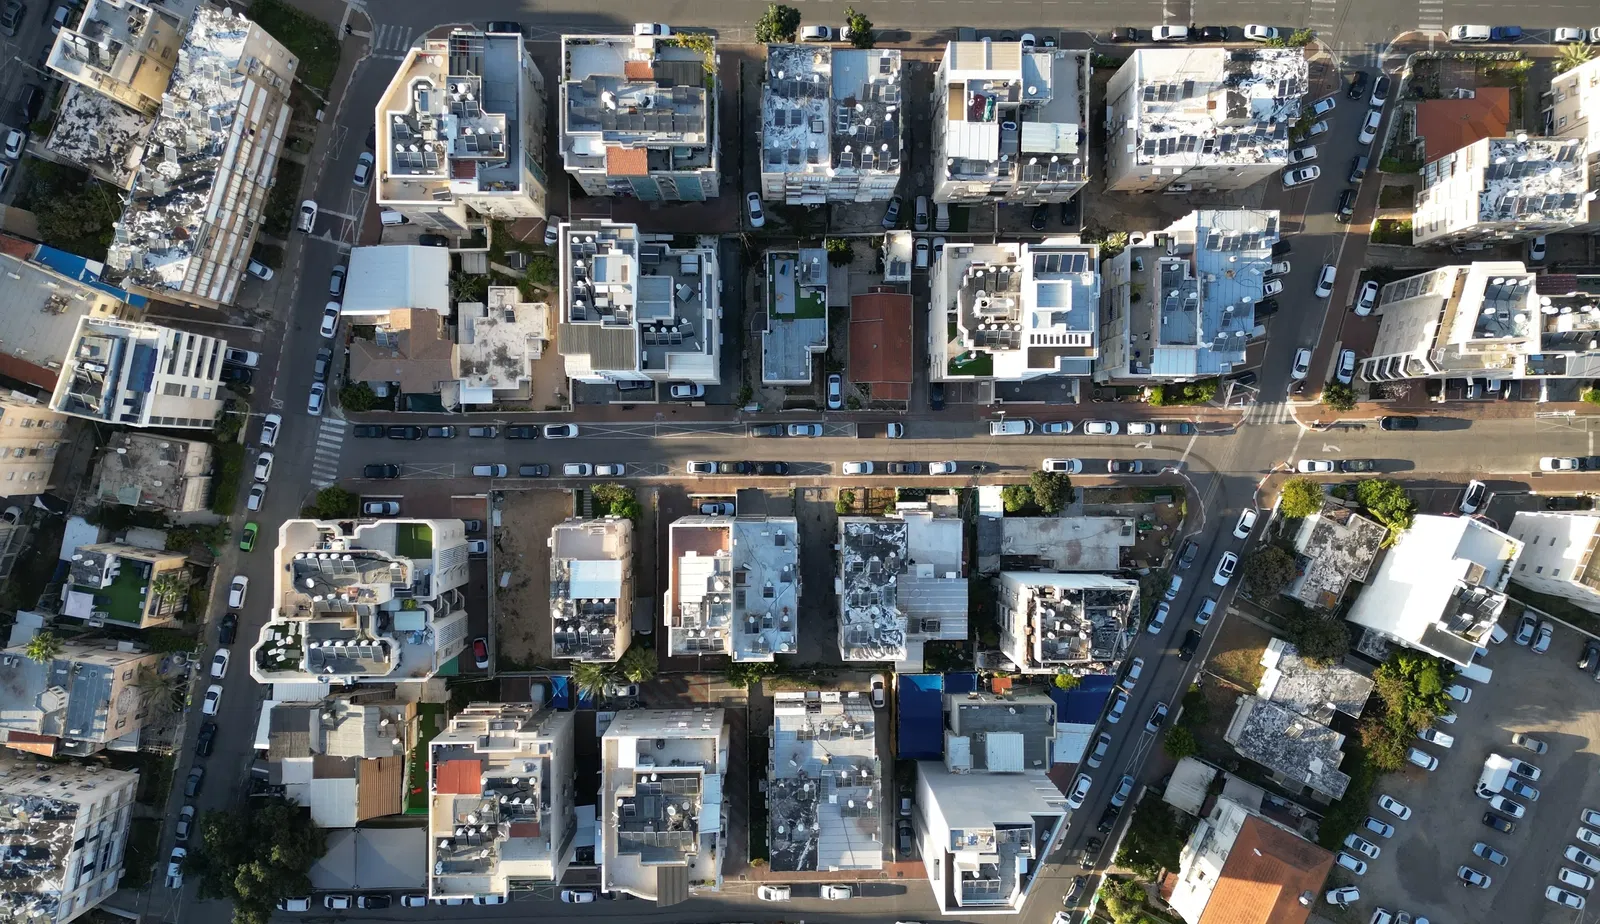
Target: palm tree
point(638, 664)
point(168, 590)
point(155, 689)
point(592, 678)
point(44, 646)
point(1573, 56)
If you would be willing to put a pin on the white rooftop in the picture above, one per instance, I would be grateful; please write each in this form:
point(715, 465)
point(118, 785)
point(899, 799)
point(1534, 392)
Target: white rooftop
point(902, 578)
point(1216, 105)
point(824, 783)
point(827, 110)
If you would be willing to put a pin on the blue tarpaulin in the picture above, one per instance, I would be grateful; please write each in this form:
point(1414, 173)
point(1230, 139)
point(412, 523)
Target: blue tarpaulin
point(960, 683)
point(1083, 705)
point(85, 271)
point(561, 692)
point(921, 716)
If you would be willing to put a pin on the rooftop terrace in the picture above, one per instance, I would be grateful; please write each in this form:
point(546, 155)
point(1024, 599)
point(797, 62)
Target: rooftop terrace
point(1023, 310)
point(829, 109)
point(1216, 105)
point(824, 786)
point(1015, 114)
point(591, 588)
point(645, 94)
point(797, 314)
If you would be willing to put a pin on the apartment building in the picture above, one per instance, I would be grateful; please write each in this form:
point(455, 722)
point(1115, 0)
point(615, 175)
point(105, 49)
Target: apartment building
point(1571, 109)
point(121, 49)
point(734, 587)
point(591, 589)
point(1180, 305)
point(359, 601)
point(1066, 622)
point(342, 757)
point(663, 821)
point(635, 308)
point(902, 582)
point(30, 436)
point(796, 293)
point(1182, 119)
point(501, 800)
point(824, 783)
point(85, 699)
point(1502, 189)
point(188, 226)
point(1002, 314)
point(47, 291)
point(127, 586)
point(639, 117)
point(1241, 865)
point(1557, 556)
point(830, 124)
point(65, 829)
point(460, 133)
point(988, 816)
point(498, 342)
point(156, 472)
point(141, 375)
point(1010, 125)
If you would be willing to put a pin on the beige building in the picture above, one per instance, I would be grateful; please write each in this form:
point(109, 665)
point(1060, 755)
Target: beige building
point(125, 585)
point(157, 472)
point(30, 436)
point(141, 375)
point(1557, 555)
point(461, 133)
point(65, 835)
point(591, 589)
point(343, 757)
point(87, 698)
point(411, 347)
point(1572, 111)
point(122, 49)
point(1502, 189)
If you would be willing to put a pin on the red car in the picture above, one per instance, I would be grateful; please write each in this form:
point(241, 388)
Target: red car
point(480, 652)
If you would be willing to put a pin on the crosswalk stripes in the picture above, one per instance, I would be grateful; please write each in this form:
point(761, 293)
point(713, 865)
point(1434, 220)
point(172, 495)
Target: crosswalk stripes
point(1430, 15)
point(391, 39)
point(330, 442)
point(1323, 14)
point(1270, 412)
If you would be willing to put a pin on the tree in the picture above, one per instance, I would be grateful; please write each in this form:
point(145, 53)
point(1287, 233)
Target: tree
point(1322, 640)
point(44, 646)
point(156, 690)
point(1590, 395)
point(1300, 497)
point(1572, 56)
point(1051, 490)
point(638, 664)
point(839, 252)
point(358, 397)
point(332, 503)
point(169, 587)
point(846, 501)
point(1154, 840)
point(79, 220)
point(1016, 497)
point(617, 501)
point(778, 24)
point(1180, 743)
point(1387, 502)
point(256, 855)
point(1412, 686)
point(1338, 396)
point(1066, 681)
point(592, 678)
point(1268, 571)
point(702, 44)
point(741, 674)
point(861, 34)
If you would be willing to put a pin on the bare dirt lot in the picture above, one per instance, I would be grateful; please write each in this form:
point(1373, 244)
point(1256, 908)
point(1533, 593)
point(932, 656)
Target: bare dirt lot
point(522, 629)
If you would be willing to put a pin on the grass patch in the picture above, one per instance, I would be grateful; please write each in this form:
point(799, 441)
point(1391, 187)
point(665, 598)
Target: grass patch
point(972, 363)
point(1392, 231)
point(1394, 197)
point(414, 540)
point(430, 721)
point(229, 465)
point(283, 199)
point(310, 39)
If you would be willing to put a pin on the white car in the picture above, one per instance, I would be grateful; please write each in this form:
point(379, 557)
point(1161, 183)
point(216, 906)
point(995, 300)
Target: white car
point(1562, 897)
point(1142, 428)
point(489, 899)
point(1569, 35)
point(941, 468)
point(1102, 743)
point(1324, 106)
point(1158, 619)
point(1469, 876)
point(237, 590)
point(1056, 427)
point(1353, 864)
point(1538, 248)
point(858, 468)
point(1588, 835)
point(880, 694)
point(1343, 896)
point(1435, 736)
point(1247, 522)
point(577, 469)
point(701, 468)
point(363, 174)
point(1578, 855)
point(175, 868)
point(1302, 364)
point(314, 399)
point(1571, 877)
point(330, 319)
point(1314, 466)
point(1259, 33)
point(1224, 572)
point(338, 902)
point(560, 431)
point(1281, 268)
point(1272, 287)
point(264, 467)
point(1080, 791)
point(836, 893)
point(1421, 758)
point(308, 215)
point(1459, 693)
point(810, 429)
point(773, 893)
point(1101, 428)
point(259, 270)
point(1317, 128)
point(1369, 128)
point(1381, 828)
point(14, 144)
point(757, 217)
point(584, 896)
point(816, 34)
point(219, 663)
point(684, 390)
point(1295, 176)
point(1367, 298)
point(1135, 671)
point(1542, 643)
point(1063, 466)
point(1325, 281)
point(270, 425)
point(1394, 806)
point(1558, 464)
point(1303, 155)
point(1119, 705)
point(256, 497)
point(1346, 372)
point(1169, 34)
point(1363, 846)
point(608, 469)
point(651, 28)
point(212, 700)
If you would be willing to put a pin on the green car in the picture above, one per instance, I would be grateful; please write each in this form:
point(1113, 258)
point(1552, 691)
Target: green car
point(248, 540)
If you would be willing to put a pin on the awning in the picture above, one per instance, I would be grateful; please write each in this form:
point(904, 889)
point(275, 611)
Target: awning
point(672, 885)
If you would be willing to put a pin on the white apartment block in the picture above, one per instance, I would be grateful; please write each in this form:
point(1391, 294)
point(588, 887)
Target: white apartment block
point(460, 133)
point(639, 118)
point(663, 823)
point(1502, 189)
point(1492, 320)
point(189, 224)
point(591, 589)
point(1013, 312)
point(1010, 125)
point(65, 832)
point(1066, 622)
point(501, 800)
point(1558, 555)
point(140, 375)
point(636, 309)
point(830, 124)
point(734, 587)
point(1180, 304)
point(824, 783)
point(988, 816)
point(902, 582)
point(1205, 118)
point(121, 49)
point(1572, 110)
point(30, 436)
point(358, 601)
point(497, 344)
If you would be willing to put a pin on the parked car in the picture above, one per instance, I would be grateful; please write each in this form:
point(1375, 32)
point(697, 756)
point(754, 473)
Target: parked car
point(1134, 672)
point(1362, 846)
point(308, 216)
point(1158, 619)
point(560, 431)
point(1489, 853)
point(1542, 643)
point(380, 508)
point(1381, 828)
point(1369, 128)
point(1225, 566)
point(1097, 754)
point(1191, 644)
point(1247, 521)
point(1260, 33)
point(1471, 877)
point(1079, 791)
point(1537, 746)
point(1158, 717)
point(1302, 365)
point(1421, 758)
point(380, 470)
point(752, 201)
point(1119, 705)
point(404, 432)
point(363, 174)
point(1325, 281)
point(1299, 176)
point(1500, 823)
point(1056, 427)
point(1366, 298)
point(1346, 207)
point(480, 651)
point(686, 390)
point(891, 214)
point(175, 861)
point(1124, 790)
point(1353, 864)
point(805, 429)
point(1472, 498)
point(835, 392)
point(1398, 423)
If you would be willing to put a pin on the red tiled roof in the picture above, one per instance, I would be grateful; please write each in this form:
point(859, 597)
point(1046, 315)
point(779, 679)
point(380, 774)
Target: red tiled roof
point(1264, 876)
point(1448, 125)
point(638, 70)
point(627, 161)
point(460, 777)
point(17, 247)
point(880, 344)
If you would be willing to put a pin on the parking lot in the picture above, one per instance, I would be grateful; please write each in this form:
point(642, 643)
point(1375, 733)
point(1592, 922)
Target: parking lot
point(1542, 695)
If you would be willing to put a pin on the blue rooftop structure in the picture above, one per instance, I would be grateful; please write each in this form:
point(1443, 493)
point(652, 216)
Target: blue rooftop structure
point(85, 271)
point(921, 732)
point(1209, 284)
point(966, 682)
point(561, 692)
point(1083, 705)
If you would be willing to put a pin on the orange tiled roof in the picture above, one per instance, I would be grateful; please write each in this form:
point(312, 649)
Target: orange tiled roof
point(1447, 125)
point(1264, 876)
point(638, 70)
point(622, 161)
point(880, 344)
point(460, 777)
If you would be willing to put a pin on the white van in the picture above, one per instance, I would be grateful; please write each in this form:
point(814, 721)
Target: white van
point(1016, 426)
point(1469, 33)
point(489, 471)
point(391, 217)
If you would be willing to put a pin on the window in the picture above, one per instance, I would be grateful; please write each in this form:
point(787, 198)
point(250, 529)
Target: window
point(1555, 572)
point(1539, 570)
point(1522, 567)
point(1552, 541)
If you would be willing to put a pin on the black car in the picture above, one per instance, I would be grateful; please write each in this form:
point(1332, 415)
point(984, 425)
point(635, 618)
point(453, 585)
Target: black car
point(380, 470)
point(1041, 218)
point(537, 470)
point(1358, 86)
point(634, 384)
point(1499, 822)
point(772, 468)
point(1350, 466)
point(367, 431)
point(1214, 34)
point(1347, 206)
point(505, 27)
point(1398, 423)
point(405, 433)
point(433, 240)
point(767, 430)
point(903, 834)
point(1124, 466)
point(191, 786)
point(1191, 549)
point(1075, 891)
point(228, 629)
point(522, 432)
point(441, 433)
point(319, 368)
point(905, 468)
point(1108, 818)
point(1591, 656)
point(1191, 643)
point(1125, 34)
point(236, 375)
point(373, 901)
point(1380, 92)
point(1069, 214)
point(734, 468)
point(936, 396)
point(32, 101)
point(1266, 308)
point(208, 737)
